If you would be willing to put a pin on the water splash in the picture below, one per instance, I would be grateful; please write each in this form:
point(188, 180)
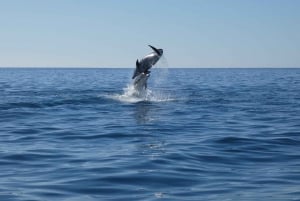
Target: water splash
point(131, 95)
point(161, 72)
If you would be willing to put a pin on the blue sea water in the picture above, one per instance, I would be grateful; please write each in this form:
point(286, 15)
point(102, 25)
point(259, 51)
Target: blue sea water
point(200, 134)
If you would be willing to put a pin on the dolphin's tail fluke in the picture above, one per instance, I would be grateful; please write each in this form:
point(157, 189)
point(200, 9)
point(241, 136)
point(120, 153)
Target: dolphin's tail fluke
point(157, 51)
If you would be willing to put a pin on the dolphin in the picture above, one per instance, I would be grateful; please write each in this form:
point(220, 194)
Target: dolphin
point(142, 73)
point(147, 62)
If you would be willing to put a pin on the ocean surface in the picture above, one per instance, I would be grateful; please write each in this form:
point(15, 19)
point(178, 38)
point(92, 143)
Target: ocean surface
point(198, 134)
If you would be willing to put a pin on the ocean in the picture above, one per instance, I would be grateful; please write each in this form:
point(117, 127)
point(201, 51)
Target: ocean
point(199, 134)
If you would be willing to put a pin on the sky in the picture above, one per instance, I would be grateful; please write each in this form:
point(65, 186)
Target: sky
point(114, 33)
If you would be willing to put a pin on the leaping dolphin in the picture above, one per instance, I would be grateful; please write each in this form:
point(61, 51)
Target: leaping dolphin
point(142, 73)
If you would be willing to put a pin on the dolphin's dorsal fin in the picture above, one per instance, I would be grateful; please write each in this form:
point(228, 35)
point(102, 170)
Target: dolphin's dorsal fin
point(137, 69)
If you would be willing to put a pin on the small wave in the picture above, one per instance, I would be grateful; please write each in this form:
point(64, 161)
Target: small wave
point(51, 102)
point(131, 95)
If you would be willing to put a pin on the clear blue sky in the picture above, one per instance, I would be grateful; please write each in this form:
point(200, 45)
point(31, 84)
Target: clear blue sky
point(114, 33)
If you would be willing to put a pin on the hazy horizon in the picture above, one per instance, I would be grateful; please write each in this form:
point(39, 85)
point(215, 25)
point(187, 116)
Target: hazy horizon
point(125, 67)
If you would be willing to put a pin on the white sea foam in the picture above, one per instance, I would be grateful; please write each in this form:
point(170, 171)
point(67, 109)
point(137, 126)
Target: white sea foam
point(131, 95)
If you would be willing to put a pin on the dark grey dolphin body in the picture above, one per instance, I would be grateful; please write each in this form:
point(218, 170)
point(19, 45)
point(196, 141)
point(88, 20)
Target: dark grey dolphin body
point(142, 73)
point(147, 62)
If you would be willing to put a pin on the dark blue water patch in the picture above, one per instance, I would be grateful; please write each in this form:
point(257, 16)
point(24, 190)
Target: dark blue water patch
point(30, 156)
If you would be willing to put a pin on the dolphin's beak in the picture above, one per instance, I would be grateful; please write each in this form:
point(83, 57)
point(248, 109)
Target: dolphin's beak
point(156, 50)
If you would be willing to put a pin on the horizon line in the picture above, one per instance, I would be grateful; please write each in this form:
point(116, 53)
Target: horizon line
point(103, 67)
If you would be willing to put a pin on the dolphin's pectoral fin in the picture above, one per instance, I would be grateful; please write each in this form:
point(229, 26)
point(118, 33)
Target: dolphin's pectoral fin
point(134, 74)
